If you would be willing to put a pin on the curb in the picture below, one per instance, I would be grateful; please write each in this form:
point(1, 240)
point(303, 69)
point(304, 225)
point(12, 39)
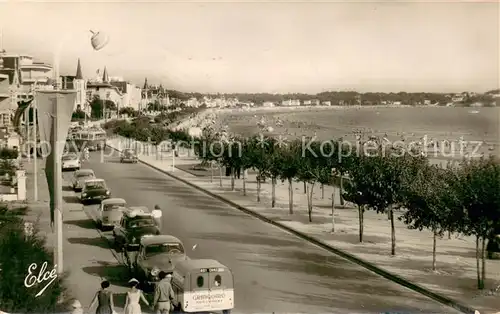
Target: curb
point(392, 277)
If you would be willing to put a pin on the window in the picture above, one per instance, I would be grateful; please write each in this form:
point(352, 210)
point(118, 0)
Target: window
point(141, 222)
point(217, 281)
point(200, 281)
point(95, 185)
point(164, 248)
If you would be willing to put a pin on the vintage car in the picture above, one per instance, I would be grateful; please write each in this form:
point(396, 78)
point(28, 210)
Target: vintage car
point(128, 155)
point(94, 190)
point(110, 213)
point(79, 178)
point(70, 162)
point(155, 253)
point(135, 223)
point(203, 285)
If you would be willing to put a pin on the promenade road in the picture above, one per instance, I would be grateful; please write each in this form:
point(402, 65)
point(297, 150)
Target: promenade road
point(273, 270)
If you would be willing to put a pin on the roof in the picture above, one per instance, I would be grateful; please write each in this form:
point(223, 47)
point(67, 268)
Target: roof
point(105, 76)
point(84, 171)
point(140, 211)
point(94, 180)
point(79, 75)
point(113, 201)
point(198, 264)
point(157, 239)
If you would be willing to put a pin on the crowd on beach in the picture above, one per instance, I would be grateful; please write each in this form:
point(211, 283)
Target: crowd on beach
point(285, 126)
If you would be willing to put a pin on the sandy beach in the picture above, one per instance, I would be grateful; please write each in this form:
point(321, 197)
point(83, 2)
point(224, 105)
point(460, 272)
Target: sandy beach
point(477, 126)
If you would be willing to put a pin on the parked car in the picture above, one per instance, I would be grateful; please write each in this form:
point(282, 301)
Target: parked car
point(134, 224)
point(110, 213)
point(80, 176)
point(128, 155)
point(155, 253)
point(70, 162)
point(94, 190)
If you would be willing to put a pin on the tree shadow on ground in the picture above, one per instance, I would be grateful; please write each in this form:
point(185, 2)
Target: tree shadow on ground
point(115, 273)
point(67, 188)
point(85, 223)
point(99, 242)
point(71, 199)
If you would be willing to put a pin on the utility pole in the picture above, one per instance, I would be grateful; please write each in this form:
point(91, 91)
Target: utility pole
point(57, 188)
point(35, 141)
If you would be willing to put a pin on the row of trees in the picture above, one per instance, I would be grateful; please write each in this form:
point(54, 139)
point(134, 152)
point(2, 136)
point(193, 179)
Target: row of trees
point(142, 130)
point(457, 199)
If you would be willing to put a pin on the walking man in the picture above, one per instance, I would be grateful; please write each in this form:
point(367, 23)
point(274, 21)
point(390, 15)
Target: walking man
point(157, 213)
point(164, 294)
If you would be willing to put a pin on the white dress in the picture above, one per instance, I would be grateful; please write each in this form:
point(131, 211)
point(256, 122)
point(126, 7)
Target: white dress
point(133, 306)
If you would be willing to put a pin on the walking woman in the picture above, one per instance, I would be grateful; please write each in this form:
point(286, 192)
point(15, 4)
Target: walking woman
point(134, 296)
point(104, 299)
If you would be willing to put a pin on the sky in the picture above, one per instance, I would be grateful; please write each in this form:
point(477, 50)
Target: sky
point(275, 47)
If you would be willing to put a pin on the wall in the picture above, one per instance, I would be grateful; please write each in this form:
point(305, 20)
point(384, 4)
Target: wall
point(133, 97)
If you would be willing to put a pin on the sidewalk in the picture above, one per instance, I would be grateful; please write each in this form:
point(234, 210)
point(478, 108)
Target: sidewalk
point(87, 256)
point(456, 263)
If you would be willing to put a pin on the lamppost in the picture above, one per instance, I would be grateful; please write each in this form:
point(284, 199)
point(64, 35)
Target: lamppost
point(35, 140)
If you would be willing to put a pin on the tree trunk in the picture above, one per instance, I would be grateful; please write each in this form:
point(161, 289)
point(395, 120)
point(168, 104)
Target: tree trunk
point(273, 192)
point(483, 259)
point(361, 211)
point(220, 175)
point(322, 191)
point(244, 183)
point(305, 187)
point(232, 178)
point(434, 244)
point(341, 190)
point(478, 266)
point(258, 189)
point(290, 196)
point(211, 172)
point(310, 192)
point(393, 233)
point(449, 235)
point(333, 210)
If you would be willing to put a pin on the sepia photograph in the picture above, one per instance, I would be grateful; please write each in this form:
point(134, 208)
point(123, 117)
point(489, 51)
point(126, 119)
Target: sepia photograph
point(246, 157)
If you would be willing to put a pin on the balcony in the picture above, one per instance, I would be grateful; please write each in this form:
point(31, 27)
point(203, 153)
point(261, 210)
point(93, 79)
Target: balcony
point(36, 67)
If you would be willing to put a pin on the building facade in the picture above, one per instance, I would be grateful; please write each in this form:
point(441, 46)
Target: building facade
point(5, 101)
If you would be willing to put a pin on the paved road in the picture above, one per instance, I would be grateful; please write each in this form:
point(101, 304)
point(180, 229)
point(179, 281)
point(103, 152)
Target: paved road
point(273, 270)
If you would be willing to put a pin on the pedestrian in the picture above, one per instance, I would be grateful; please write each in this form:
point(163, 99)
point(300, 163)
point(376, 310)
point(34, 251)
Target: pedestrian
point(104, 299)
point(157, 213)
point(164, 294)
point(76, 307)
point(134, 295)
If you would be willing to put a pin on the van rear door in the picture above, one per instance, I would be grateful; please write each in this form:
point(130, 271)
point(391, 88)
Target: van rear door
point(221, 289)
point(198, 299)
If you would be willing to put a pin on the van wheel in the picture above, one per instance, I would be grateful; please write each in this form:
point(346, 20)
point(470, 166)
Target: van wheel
point(226, 312)
point(99, 225)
